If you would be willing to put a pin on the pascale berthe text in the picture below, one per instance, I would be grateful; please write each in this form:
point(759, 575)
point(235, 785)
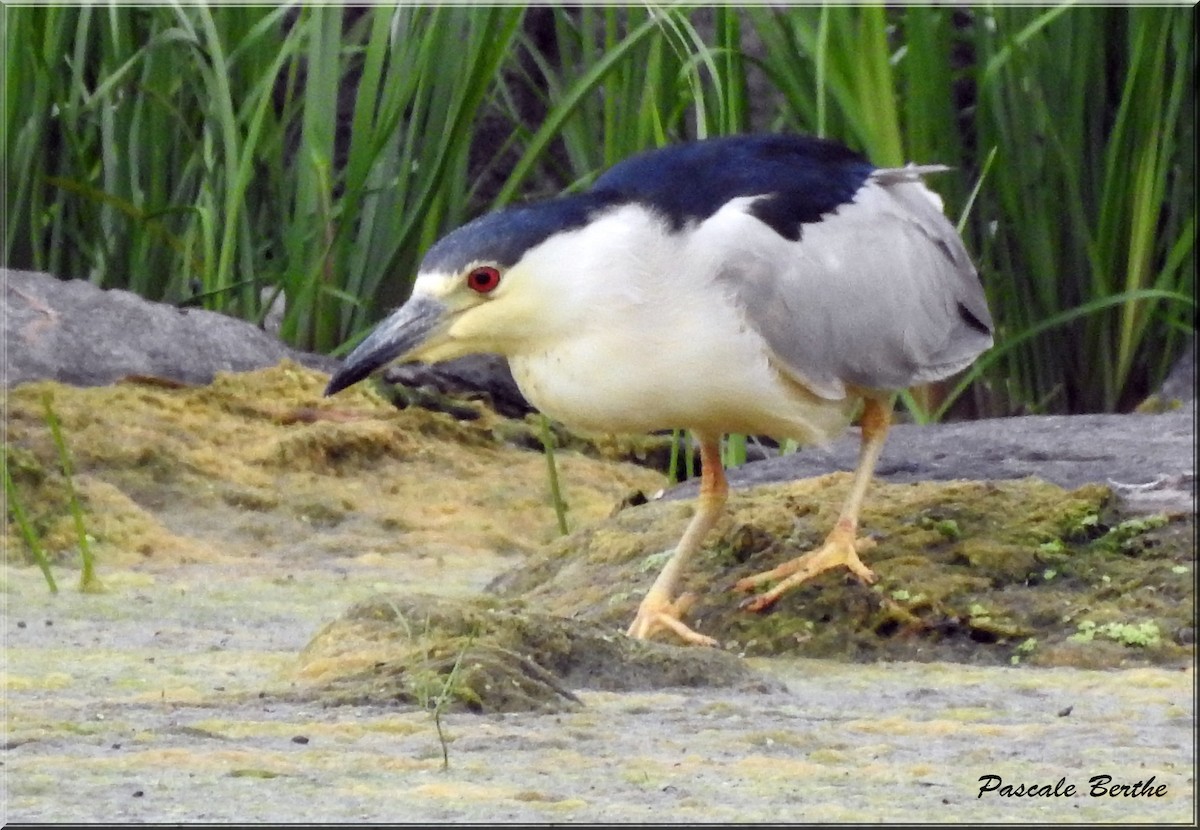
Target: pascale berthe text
point(1098, 786)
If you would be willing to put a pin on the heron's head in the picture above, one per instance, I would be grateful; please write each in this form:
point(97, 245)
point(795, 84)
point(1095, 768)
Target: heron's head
point(494, 285)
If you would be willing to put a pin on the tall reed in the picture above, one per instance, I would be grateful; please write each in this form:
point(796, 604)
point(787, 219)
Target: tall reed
point(226, 155)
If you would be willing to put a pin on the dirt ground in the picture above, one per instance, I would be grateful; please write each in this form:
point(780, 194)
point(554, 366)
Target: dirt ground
point(235, 524)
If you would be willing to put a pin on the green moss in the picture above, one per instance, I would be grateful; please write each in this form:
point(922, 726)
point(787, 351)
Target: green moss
point(967, 571)
point(1143, 634)
point(1126, 536)
point(655, 561)
point(254, 772)
point(486, 655)
point(25, 468)
point(1157, 404)
point(1081, 527)
point(946, 528)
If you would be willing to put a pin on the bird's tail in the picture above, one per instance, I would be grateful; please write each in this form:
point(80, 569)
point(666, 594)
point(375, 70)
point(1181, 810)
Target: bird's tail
point(912, 174)
point(908, 173)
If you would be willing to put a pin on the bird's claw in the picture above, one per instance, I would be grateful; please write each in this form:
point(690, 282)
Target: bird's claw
point(836, 551)
point(658, 613)
point(760, 602)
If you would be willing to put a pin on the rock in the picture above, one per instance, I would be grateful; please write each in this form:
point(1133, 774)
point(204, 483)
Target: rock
point(1180, 383)
point(73, 332)
point(473, 375)
point(1178, 390)
point(1149, 460)
point(1000, 572)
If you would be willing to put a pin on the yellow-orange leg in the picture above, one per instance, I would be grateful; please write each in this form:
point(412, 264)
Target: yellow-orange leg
point(842, 545)
point(660, 609)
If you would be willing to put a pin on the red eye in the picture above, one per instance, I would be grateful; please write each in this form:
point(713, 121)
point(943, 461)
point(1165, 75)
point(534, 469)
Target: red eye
point(483, 279)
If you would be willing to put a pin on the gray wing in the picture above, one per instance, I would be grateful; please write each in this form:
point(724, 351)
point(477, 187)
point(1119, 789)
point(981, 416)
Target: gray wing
point(880, 294)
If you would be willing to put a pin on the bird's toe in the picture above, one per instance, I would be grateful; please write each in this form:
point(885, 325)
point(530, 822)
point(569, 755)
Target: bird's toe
point(839, 549)
point(658, 613)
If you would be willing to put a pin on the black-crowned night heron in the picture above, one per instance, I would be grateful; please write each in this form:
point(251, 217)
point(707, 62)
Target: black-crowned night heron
point(764, 285)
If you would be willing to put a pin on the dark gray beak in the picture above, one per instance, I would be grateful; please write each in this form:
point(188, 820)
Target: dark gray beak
point(408, 327)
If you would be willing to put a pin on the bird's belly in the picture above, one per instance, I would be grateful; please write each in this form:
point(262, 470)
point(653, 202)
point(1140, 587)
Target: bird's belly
point(714, 385)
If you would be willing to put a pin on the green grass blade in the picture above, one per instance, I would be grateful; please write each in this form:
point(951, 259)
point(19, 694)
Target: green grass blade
point(1010, 344)
point(571, 100)
point(556, 498)
point(36, 551)
point(88, 581)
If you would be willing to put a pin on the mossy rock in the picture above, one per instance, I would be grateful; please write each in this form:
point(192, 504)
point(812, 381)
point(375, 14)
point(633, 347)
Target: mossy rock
point(488, 655)
point(968, 571)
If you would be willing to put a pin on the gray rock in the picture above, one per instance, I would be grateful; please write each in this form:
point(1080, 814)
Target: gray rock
point(474, 374)
point(1149, 460)
point(1180, 383)
point(73, 332)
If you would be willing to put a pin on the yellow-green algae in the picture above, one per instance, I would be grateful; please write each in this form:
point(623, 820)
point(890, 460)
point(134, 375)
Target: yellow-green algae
point(170, 474)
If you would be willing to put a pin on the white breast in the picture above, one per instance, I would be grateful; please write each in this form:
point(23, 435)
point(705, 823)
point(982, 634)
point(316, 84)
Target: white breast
point(655, 343)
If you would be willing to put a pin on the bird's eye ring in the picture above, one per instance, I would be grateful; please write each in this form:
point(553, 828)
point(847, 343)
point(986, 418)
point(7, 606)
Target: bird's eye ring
point(483, 279)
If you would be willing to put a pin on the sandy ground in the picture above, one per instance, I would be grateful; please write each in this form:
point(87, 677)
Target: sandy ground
point(172, 697)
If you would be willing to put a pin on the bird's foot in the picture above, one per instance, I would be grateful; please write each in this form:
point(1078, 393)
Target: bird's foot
point(840, 548)
point(658, 612)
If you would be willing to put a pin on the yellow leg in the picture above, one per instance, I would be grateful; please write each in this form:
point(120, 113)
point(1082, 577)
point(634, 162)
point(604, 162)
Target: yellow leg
point(841, 545)
point(658, 610)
